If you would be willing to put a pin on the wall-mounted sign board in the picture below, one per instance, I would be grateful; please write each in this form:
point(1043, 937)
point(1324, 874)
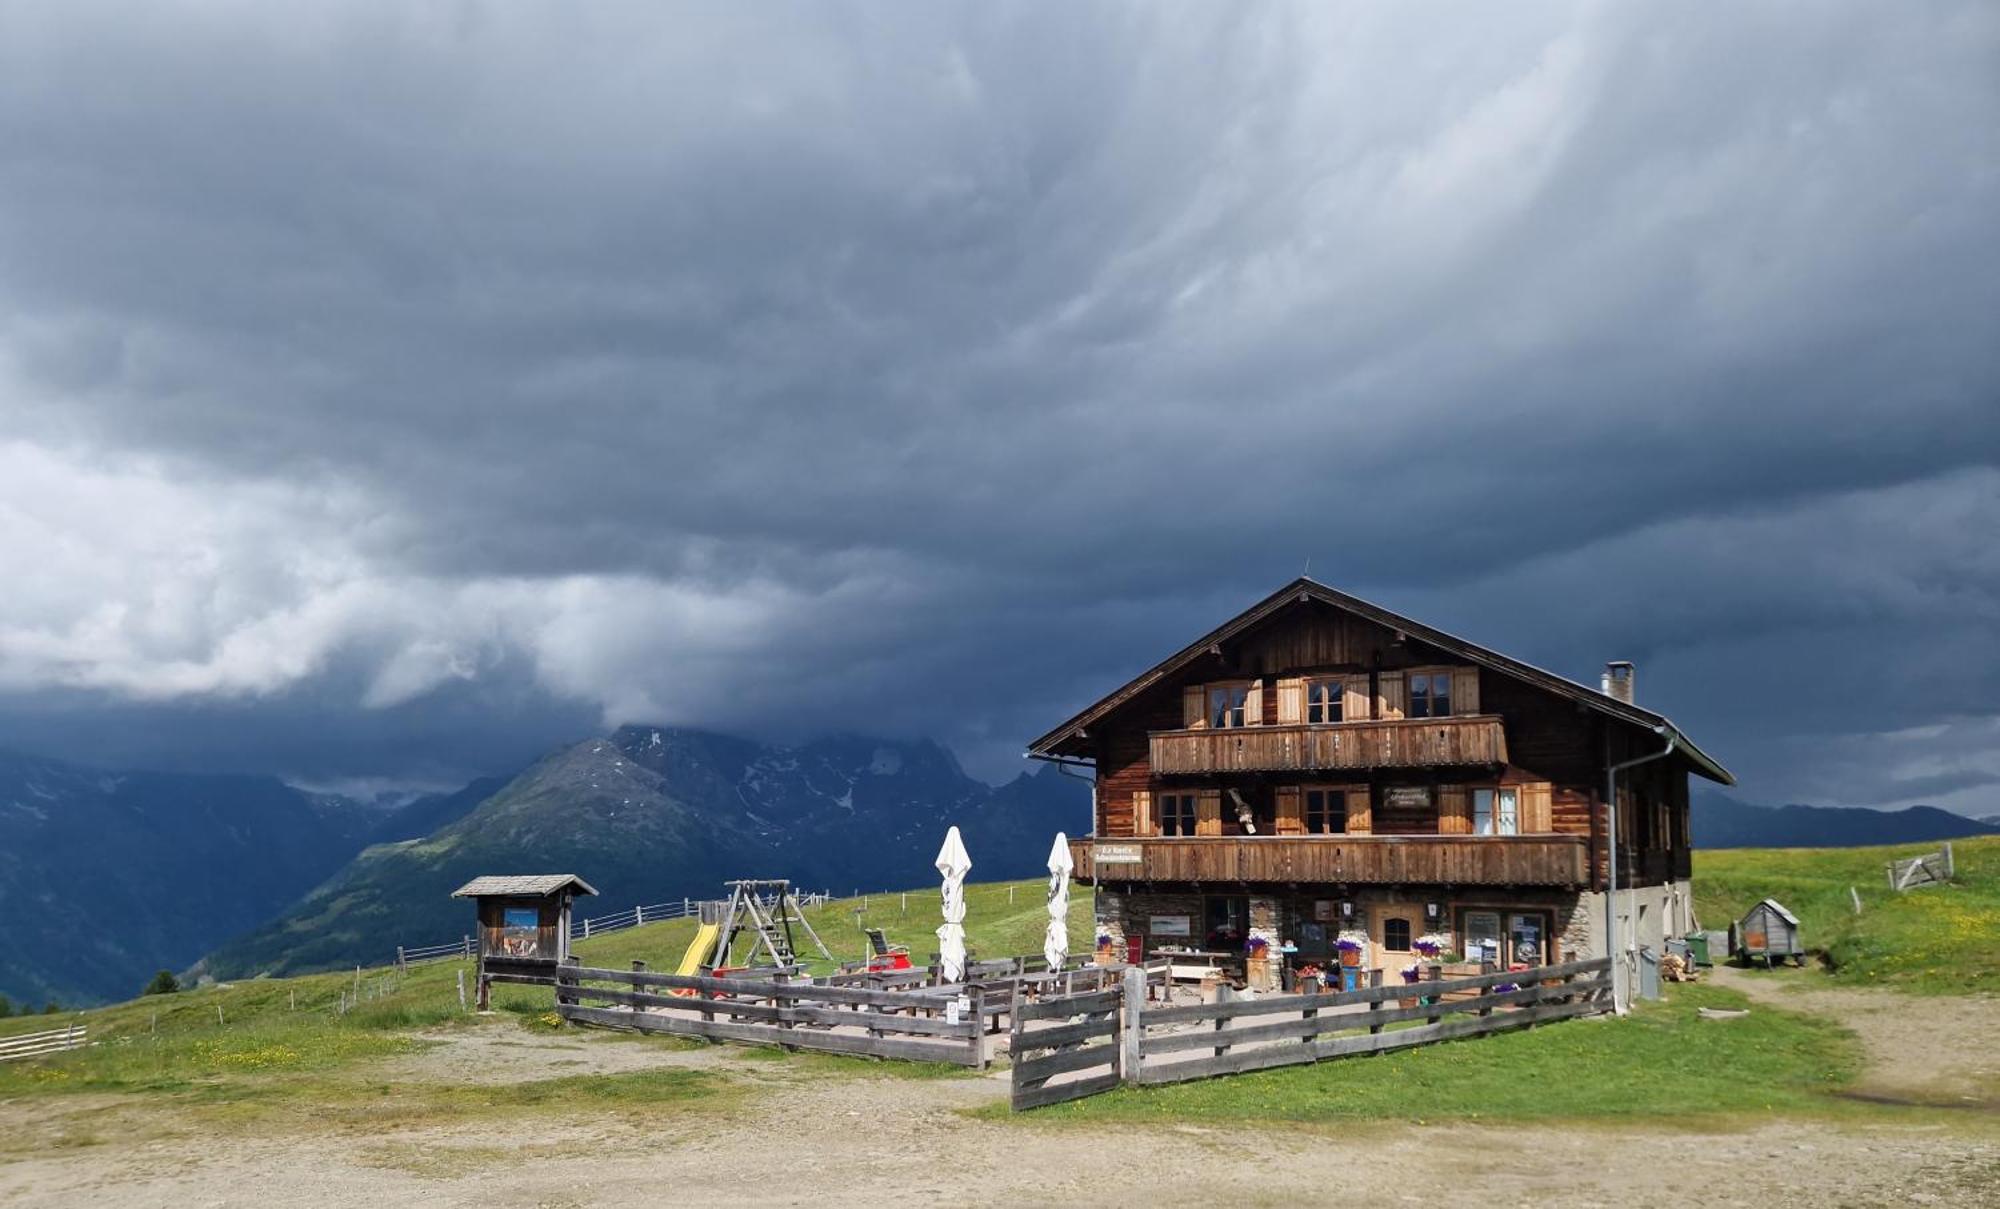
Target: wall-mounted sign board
point(1407, 797)
point(1117, 854)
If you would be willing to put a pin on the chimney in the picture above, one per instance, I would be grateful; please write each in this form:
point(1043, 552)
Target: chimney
point(1618, 680)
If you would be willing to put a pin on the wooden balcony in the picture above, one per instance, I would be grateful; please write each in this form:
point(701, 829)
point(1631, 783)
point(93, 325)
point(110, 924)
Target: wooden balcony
point(1403, 743)
point(1459, 860)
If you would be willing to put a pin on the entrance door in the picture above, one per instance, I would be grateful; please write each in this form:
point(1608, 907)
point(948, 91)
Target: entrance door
point(1394, 928)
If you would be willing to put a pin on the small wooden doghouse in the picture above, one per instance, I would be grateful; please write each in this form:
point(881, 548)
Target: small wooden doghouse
point(523, 924)
point(1768, 933)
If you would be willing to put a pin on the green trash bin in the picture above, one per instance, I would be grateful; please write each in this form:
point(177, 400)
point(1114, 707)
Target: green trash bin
point(1697, 943)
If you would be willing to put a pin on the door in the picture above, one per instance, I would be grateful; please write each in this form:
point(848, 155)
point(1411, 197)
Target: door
point(1393, 930)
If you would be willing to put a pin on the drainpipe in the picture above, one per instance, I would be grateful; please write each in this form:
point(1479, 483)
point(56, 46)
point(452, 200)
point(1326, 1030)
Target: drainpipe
point(1621, 987)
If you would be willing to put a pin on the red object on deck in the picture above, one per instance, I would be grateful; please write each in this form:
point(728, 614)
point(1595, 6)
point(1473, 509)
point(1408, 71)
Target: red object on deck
point(894, 961)
point(1135, 950)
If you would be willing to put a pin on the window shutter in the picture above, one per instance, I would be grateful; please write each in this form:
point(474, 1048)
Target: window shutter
point(1194, 705)
point(1291, 701)
point(1454, 810)
point(1208, 812)
point(1537, 808)
point(1394, 701)
point(1465, 690)
point(1354, 699)
point(1142, 812)
point(1360, 818)
point(1253, 704)
point(1291, 821)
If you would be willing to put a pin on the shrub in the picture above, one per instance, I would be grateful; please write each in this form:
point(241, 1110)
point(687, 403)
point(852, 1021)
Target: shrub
point(164, 983)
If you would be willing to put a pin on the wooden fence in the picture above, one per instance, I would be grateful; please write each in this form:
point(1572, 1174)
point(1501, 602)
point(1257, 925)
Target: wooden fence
point(1116, 1036)
point(934, 1024)
point(1283, 1030)
point(1930, 869)
point(1086, 1043)
point(49, 1041)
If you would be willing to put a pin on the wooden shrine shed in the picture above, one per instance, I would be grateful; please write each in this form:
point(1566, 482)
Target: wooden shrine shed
point(523, 925)
point(1768, 932)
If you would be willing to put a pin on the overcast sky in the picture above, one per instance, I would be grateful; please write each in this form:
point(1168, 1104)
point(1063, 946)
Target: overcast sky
point(397, 391)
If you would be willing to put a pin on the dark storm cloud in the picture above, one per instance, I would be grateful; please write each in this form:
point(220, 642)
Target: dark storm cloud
point(934, 370)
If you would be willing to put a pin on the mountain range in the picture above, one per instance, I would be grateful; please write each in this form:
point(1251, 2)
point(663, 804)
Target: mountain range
point(108, 876)
point(1718, 821)
point(653, 814)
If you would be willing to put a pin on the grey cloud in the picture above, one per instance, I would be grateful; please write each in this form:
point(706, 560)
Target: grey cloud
point(846, 366)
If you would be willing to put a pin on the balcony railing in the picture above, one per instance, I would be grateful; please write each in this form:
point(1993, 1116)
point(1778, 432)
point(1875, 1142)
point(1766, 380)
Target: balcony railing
point(1512, 860)
point(1402, 743)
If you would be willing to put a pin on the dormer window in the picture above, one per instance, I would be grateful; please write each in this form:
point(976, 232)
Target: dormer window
point(1430, 695)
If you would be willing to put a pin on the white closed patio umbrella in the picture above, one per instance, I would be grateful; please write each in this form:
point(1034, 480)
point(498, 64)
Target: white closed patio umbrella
point(954, 864)
point(1055, 941)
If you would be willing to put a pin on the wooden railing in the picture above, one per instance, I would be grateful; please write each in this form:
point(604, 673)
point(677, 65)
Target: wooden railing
point(49, 1041)
point(1094, 1042)
point(1402, 743)
point(1510, 860)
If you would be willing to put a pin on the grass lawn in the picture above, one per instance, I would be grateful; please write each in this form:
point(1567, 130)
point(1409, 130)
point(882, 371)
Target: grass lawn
point(281, 1039)
point(1936, 940)
point(1659, 1061)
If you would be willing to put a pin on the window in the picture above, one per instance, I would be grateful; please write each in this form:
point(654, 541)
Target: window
point(1510, 940)
point(1176, 814)
point(1430, 694)
point(1227, 923)
point(1396, 935)
point(1323, 701)
point(1482, 936)
point(1496, 812)
point(1225, 704)
point(1326, 811)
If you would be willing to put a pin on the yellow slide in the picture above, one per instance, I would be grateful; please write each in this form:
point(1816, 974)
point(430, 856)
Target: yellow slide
point(704, 941)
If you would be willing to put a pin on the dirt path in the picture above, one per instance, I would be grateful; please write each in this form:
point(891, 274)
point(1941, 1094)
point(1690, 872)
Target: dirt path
point(803, 1136)
point(1922, 1049)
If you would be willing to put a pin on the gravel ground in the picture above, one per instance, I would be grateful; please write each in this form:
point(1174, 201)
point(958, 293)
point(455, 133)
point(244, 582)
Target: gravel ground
point(832, 1140)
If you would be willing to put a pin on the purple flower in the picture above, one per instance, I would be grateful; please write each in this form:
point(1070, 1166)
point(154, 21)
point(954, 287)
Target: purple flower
point(1505, 987)
point(1349, 946)
point(1258, 944)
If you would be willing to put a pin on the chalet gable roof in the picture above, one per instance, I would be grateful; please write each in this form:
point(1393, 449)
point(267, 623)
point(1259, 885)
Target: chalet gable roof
point(530, 885)
point(1303, 590)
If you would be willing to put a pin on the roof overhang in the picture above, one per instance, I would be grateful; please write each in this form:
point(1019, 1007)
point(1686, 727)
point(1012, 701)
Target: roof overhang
point(526, 885)
point(1304, 590)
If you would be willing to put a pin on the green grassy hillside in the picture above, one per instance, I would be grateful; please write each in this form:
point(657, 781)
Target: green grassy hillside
point(1935, 940)
point(289, 1026)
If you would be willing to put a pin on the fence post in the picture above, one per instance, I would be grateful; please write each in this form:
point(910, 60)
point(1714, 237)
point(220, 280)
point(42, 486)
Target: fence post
point(1223, 994)
point(1432, 976)
point(399, 957)
point(1856, 896)
point(978, 997)
point(566, 982)
point(461, 988)
point(1950, 870)
point(1134, 1027)
point(586, 928)
point(638, 917)
point(1375, 1004)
